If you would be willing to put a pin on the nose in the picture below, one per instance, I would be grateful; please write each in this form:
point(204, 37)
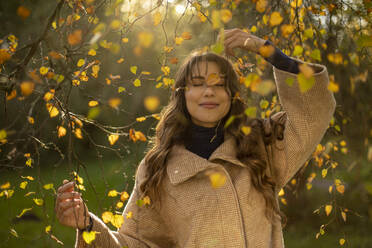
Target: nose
point(209, 90)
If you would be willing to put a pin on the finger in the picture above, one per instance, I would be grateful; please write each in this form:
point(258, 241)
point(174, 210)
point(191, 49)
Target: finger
point(67, 204)
point(68, 196)
point(65, 181)
point(66, 187)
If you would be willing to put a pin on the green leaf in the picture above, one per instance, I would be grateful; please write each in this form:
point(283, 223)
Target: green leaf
point(23, 212)
point(315, 54)
point(305, 83)
point(93, 113)
point(264, 104)
point(217, 48)
point(139, 203)
point(289, 81)
point(251, 112)
point(229, 121)
point(297, 51)
point(364, 41)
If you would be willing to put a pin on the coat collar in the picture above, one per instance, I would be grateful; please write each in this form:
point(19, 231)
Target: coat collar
point(183, 164)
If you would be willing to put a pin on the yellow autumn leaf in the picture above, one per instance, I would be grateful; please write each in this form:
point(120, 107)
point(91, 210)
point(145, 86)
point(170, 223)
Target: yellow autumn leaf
point(119, 61)
point(137, 82)
point(281, 192)
point(226, 15)
point(305, 83)
point(95, 70)
point(217, 179)
point(119, 204)
point(29, 162)
point(23, 185)
point(53, 111)
point(49, 95)
point(48, 228)
point(186, 36)
point(61, 131)
point(332, 86)
point(275, 19)
point(129, 214)
point(114, 102)
point(124, 196)
point(146, 200)
point(343, 214)
point(107, 216)
point(140, 119)
point(165, 70)
point(298, 50)
point(80, 62)
point(145, 39)
point(287, 29)
point(151, 103)
point(266, 51)
point(296, 3)
point(115, 24)
point(121, 89)
point(78, 133)
point(75, 37)
point(92, 103)
point(43, 70)
point(343, 143)
point(92, 52)
point(342, 241)
point(30, 120)
point(117, 220)
point(112, 138)
point(89, 236)
point(23, 212)
point(167, 49)
point(38, 201)
point(133, 69)
point(125, 40)
point(5, 185)
point(340, 189)
point(156, 18)
point(48, 186)
point(328, 209)
point(246, 130)
point(28, 177)
point(178, 40)
point(23, 12)
point(112, 193)
point(261, 5)
point(27, 88)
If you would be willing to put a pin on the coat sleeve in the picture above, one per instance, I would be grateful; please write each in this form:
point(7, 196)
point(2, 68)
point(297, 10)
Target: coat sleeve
point(146, 228)
point(305, 119)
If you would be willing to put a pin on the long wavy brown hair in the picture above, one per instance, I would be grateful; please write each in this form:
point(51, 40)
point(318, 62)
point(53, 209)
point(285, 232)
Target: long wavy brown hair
point(175, 121)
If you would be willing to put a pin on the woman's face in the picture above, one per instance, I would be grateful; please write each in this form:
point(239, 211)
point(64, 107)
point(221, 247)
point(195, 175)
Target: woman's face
point(206, 97)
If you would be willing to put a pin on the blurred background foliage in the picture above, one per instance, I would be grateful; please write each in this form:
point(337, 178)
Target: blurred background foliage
point(82, 83)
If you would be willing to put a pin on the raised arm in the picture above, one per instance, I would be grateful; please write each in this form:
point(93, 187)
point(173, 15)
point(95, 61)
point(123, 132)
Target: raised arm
point(306, 114)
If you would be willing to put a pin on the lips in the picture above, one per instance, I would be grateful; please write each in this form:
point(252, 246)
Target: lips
point(209, 105)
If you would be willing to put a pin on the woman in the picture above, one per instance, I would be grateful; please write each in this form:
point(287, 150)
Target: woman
point(247, 162)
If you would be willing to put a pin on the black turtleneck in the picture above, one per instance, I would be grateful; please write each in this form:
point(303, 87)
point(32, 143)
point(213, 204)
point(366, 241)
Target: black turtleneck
point(204, 140)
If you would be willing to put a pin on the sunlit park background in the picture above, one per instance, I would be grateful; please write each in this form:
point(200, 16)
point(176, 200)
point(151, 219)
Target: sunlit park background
point(82, 83)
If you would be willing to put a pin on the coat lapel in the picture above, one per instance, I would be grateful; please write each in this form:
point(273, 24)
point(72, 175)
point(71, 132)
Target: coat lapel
point(183, 164)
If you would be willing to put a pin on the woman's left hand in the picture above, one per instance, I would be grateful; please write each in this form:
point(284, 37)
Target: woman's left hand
point(237, 38)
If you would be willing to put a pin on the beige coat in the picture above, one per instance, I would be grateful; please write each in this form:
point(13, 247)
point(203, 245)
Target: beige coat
point(193, 214)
